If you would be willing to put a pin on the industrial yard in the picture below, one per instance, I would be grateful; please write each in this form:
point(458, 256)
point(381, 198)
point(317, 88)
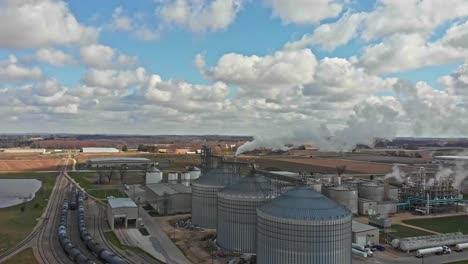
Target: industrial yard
point(209, 208)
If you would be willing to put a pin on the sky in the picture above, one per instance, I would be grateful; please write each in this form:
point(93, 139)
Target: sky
point(269, 68)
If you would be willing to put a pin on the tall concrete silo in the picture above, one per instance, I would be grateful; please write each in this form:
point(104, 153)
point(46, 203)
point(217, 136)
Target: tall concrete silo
point(303, 227)
point(237, 213)
point(205, 195)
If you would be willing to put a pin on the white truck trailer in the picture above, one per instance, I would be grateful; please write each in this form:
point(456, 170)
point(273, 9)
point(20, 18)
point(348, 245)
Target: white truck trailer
point(434, 250)
point(460, 247)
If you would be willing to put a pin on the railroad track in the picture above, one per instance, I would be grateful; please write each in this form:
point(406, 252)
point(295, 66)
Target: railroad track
point(47, 242)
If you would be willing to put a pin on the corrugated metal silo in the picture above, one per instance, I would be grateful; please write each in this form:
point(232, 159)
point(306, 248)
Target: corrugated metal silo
point(374, 191)
point(205, 195)
point(237, 213)
point(303, 227)
point(344, 195)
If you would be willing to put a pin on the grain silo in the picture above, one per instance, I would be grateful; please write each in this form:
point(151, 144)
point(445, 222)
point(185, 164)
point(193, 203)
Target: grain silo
point(237, 213)
point(205, 195)
point(344, 195)
point(374, 191)
point(303, 227)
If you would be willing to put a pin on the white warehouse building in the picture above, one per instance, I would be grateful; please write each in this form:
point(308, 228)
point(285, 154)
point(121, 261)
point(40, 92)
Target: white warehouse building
point(122, 212)
point(100, 150)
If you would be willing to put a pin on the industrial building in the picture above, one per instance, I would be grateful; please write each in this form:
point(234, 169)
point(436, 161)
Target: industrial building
point(303, 227)
point(415, 243)
point(169, 198)
point(119, 162)
point(100, 150)
point(205, 195)
point(121, 212)
point(237, 213)
point(365, 234)
point(428, 195)
point(23, 150)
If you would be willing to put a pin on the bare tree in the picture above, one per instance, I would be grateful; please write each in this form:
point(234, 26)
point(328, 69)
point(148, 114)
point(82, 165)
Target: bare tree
point(100, 173)
point(110, 174)
point(123, 174)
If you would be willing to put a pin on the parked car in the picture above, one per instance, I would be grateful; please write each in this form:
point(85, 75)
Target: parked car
point(379, 247)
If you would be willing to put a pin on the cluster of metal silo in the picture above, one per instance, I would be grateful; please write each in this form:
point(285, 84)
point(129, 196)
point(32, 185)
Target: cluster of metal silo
point(344, 195)
point(303, 227)
point(374, 191)
point(205, 195)
point(237, 213)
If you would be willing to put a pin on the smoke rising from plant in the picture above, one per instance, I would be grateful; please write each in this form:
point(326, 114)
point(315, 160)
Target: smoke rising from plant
point(396, 174)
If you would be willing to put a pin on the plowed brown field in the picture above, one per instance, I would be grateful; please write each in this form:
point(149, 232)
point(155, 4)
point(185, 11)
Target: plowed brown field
point(355, 166)
point(29, 165)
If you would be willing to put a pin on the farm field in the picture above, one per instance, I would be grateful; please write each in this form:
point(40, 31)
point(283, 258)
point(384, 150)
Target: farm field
point(448, 224)
point(16, 225)
point(351, 166)
point(29, 165)
point(273, 163)
point(385, 159)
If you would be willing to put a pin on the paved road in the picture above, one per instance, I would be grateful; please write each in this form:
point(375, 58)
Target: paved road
point(161, 242)
point(383, 258)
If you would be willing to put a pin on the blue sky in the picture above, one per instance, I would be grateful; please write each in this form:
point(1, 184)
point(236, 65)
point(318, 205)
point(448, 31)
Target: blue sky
point(232, 66)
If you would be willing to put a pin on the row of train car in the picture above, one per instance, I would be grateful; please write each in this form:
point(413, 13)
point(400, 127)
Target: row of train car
point(93, 246)
point(77, 202)
point(73, 252)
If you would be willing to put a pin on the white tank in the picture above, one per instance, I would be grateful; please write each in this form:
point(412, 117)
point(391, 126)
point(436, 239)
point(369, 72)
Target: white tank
point(195, 173)
point(185, 176)
point(427, 251)
point(172, 176)
point(153, 175)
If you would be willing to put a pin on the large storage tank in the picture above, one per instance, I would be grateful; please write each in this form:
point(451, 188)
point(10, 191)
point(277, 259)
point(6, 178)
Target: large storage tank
point(344, 195)
point(374, 191)
point(205, 195)
point(303, 227)
point(237, 213)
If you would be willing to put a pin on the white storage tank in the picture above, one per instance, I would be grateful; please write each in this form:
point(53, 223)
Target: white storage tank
point(374, 191)
point(172, 176)
point(185, 176)
point(344, 195)
point(153, 175)
point(303, 227)
point(195, 173)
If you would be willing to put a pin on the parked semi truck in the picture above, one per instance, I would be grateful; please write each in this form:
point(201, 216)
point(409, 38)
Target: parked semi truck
point(435, 250)
point(367, 251)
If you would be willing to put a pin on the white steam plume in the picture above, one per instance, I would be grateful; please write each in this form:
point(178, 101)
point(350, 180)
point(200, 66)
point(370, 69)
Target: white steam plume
point(396, 174)
point(461, 173)
point(368, 121)
point(416, 109)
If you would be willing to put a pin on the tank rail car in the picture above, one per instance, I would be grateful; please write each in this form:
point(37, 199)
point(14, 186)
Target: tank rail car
point(73, 252)
point(88, 240)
